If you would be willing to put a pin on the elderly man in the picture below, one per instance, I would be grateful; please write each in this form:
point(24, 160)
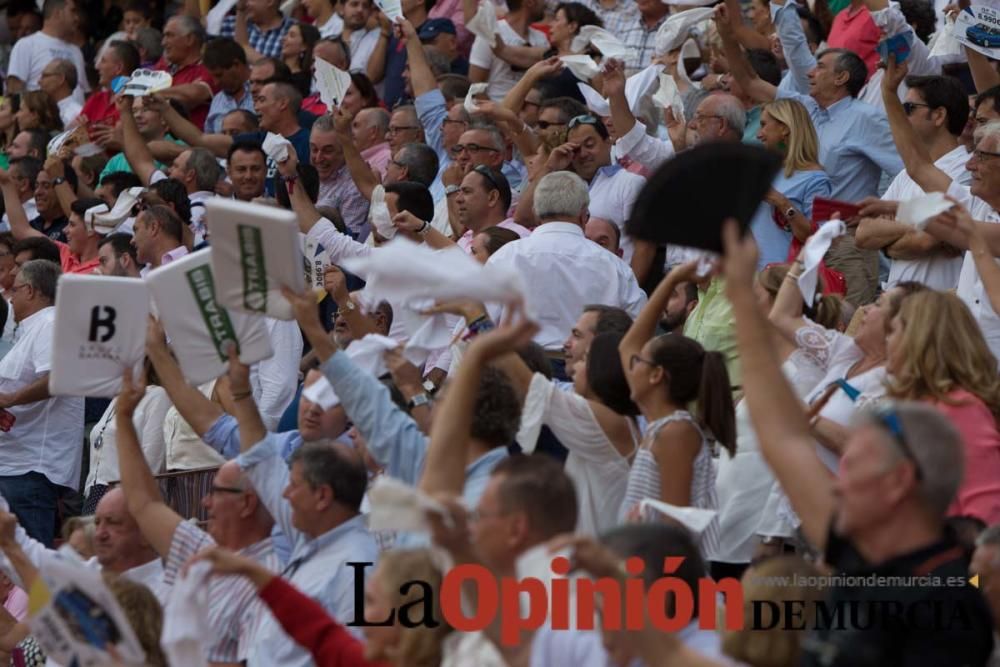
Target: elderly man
point(605, 234)
point(404, 128)
point(40, 453)
point(227, 63)
point(237, 520)
point(31, 54)
point(263, 27)
point(566, 270)
point(193, 85)
point(336, 187)
point(58, 81)
point(884, 513)
point(369, 129)
point(118, 59)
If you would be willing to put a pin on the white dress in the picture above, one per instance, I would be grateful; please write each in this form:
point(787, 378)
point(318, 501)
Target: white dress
point(744, 481)
point(644, 479)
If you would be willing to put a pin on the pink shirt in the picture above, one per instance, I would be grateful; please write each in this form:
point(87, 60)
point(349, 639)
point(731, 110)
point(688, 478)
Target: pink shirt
point(17, 604)
point(979, 494)
point(465, 241)
point(854, 29)
point(378, 157)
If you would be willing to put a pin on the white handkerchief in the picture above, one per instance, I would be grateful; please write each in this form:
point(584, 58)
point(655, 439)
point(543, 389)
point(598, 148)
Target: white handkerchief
point(918, 211)
point(368, 353)
point(595, 102)
point(582, 67)
point(608, 44)
point(105, 223)
point(484, 23)
point(288, 6)
point(276, 147)
point(399, 506)
point(185, 620)
point(86, 150)
point(637, 87)
point(393, 9)
point(944, 43)
point(214, 18)
point(693, 518)
point(322, 394)
point(536, 563)
point(674, 31)
point(147, 82)
point(668, 95)
point(332, 83)
point(812, 255)
point(381, 219)
point(406, 271)
point(470, 101)
point(57, 141)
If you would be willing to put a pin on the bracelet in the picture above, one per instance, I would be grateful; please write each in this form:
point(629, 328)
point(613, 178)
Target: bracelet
point(241, 395)
point(426, 228)
point(290, 184)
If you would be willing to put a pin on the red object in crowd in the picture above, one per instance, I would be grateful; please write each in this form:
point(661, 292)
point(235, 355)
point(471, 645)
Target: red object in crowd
point(855, 29)
point(823, 210)
point(193, 73)
point(100, 109)
point(314, 105)
point(830, 281)
point(329, 642)
point(6, 420)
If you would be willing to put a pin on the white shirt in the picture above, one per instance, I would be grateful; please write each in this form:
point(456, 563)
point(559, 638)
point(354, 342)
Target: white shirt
point(30, 210)
point(502, 77)
point(565, 272)
point(69, 110)
point(184, 449)
point(613, 192)
point(148, 421)
point(937, 271)
point(47, 435)
point(333, 27)
point(970, 285)
point(274, 379)
point(637, 145)
point(362, 45)
point(31, 54)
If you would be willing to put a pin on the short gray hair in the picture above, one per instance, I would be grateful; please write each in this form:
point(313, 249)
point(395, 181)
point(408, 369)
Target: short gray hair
point(990, 536)
point(496, 136)
point(190, 26)
point(731, 111)
point(43, 276)
point(561, 194)
point(324, 124)
point(206, 168)
point(67, 70)
point(936, 447)
point(411, 111)
point(377, 118)
point(989, 130)
point(421, 163)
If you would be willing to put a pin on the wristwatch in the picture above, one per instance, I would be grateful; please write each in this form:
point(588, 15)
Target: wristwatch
point(451, 189)
point(58, 180)
point(350, 305)
point(790, 212)
point(418, 400)
point(430, 387)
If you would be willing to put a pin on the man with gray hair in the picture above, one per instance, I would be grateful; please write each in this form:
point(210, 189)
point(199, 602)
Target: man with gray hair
point(565, 270)
point(370, 129)
point(336, 187)
point(40, 452)
point(193, 85)
point(883, 514)
point(58, 81)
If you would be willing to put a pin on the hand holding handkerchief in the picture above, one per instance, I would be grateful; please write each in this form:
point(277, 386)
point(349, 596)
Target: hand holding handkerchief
point(812, 255)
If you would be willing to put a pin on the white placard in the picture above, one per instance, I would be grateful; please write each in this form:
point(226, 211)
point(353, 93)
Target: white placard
point(255, 252)
point(184, 293)
point(100, 329)
point(332, 83)
point(393, 9)
point(146, 82)
point(978, 27)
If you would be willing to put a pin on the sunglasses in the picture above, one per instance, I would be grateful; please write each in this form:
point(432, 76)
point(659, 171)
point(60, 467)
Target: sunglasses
point(544, 124)
point(910, 107)
point(585, 119)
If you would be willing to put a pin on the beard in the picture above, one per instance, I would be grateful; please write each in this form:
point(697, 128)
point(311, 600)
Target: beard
point(672, 322)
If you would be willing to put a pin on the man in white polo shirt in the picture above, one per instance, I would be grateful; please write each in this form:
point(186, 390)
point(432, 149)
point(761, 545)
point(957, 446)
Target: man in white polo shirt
point(40, 453)
point(31, 54)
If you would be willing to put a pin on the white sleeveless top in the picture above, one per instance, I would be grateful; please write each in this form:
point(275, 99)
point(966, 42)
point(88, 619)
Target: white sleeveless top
point(644, 479)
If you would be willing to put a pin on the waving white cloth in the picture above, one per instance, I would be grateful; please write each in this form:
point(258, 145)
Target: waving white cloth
point(674, 31)
point(608, 44)
point(812, 255)
point(917, 212)
point(185, 621)
point(637, 87)
point(484, 23)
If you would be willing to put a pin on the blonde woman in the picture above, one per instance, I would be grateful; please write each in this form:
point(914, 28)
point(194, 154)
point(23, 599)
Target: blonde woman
point(785, 127)
point(937, 354)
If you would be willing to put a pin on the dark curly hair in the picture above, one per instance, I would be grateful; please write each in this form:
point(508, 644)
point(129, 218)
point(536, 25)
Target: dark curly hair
point(498, 410)
point(920, 15)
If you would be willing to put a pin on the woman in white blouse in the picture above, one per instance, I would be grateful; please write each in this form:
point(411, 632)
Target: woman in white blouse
point(595, 422)
point(667, 376)
point(149, 418)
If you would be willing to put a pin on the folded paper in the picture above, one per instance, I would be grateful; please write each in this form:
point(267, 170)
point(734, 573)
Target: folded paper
point(669, 96)
point(484, 23)
point(184, 293)
point(322, 394)
point(332, 83)
point(186, 628)
point(694, 519)
point(917, 212)
point(109, 221)
point(813, 253)
point(393, 9)
point(379, 213)
point(255, 252)
point(99, 331)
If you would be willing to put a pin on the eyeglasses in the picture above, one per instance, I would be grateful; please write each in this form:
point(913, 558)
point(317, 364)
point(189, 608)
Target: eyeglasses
point(887, 417)
point(472, 148)
point(910, 107)
point(636, 359)
point(15, 287)
point(224, 489)
point(585, 119)
point(446, 121)
point(984, 156)
point(544, 124)
point(402, 128)
point(702, 117)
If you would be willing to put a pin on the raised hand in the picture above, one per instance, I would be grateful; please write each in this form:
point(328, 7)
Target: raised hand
point(131, 393)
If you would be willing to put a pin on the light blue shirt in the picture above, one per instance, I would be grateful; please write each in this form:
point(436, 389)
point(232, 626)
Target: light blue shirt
point(432, 110)
point(318, 566)
point(222, 104)
point(800, 188)
point(392, 437)
point(795, 47)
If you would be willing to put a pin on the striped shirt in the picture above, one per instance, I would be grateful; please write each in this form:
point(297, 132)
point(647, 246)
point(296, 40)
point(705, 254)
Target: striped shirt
point(644, 479)
point(234, 608)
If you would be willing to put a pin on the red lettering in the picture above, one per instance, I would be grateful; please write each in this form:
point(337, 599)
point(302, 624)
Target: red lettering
point(511, 621)
point(486, 596)
point(683, 604)
point(559, 597)
point(611, 603)
point(708, 591)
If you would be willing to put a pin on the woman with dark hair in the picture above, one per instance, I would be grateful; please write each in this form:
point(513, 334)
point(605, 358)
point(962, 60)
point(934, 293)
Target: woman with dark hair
point(570, 17)
point(297, 53)
point(669, 376)
point(38, 111)
point(360, 95)
point(491, 239)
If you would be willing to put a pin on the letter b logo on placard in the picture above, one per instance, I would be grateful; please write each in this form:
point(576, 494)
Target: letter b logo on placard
point(99, 324)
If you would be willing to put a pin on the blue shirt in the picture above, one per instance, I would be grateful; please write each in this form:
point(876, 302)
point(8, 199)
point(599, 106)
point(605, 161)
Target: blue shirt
point(855, 145)
point(432, 111)
point(222, 104)
point(266, 43)
point(795, 47)
point(318, 564)
point(800, 188)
